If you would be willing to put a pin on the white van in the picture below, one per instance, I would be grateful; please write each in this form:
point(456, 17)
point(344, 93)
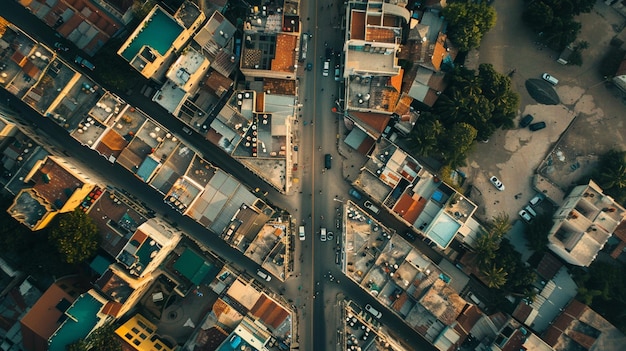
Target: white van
point(263, 275)
point(323, 234)
point(376, 313)
point(326, 68)
point(550, 79)
point(371, 207)
point(301, 234)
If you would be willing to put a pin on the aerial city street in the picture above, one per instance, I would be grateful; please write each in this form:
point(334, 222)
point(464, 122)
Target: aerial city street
point(312, 175)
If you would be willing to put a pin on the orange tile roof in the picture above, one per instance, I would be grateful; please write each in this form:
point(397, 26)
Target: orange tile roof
point(408, 208)
point(396, 81)
point(112, 144)
point(269, 312)
point(284, 61)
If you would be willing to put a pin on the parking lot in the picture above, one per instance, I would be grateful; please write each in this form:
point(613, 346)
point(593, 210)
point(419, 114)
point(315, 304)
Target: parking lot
point(586, 123)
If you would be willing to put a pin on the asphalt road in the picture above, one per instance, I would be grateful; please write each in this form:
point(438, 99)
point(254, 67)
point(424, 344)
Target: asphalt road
point(317, 199)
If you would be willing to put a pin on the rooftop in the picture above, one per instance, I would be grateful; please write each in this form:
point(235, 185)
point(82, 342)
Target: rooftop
point(157, 31)
point(443, 302)
point(188, 69)
point(116, 218)
point(43, 319)
point(82, 318)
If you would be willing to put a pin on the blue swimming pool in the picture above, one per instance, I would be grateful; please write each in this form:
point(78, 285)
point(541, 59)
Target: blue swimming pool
point(157, 32)
point(443, 231)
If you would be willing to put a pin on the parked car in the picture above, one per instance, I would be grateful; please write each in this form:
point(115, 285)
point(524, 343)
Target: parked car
point(263, 275)
point(497, 183)
point(376, 313)
point(301, 233)
point(409, 235)
point(337, 74)
point(323, 234)
point(536, 200)
point(355, 194)
point(525, 216)
point(525, 121)
point(537, 126)
point(530, 211)
point(84, 63)
point(368, 204)
point(60, 47)
point(550, 79)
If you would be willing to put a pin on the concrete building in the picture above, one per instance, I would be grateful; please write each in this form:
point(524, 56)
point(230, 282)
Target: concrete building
point(86, 23)
point(138, 333)
point(581, 328)
point(57, 187)
point(583, 224)
point(159, 37)
point(271, 41)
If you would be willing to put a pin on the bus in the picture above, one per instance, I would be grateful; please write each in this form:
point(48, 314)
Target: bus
point(304, 43)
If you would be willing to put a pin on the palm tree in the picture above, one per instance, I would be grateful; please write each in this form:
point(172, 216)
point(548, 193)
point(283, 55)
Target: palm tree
point(485, 248)
point(495, 277)
point(614, 177)
point(500, 225)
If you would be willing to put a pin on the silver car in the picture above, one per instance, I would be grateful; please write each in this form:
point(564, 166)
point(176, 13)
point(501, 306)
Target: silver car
point(525, 216)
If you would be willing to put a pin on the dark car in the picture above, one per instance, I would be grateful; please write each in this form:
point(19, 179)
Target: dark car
point(537, 126)
point(328, 161)
point(525, 121)
point(60, 47)
point(309, 66)
point(355, 194)
point(409, 235)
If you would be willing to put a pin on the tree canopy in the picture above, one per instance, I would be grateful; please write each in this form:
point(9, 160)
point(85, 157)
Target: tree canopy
point(553, 20)
point(611, 174)
point(75, 236)
point(468, 21)
point(500, 265)
point(474, 105)
point(603, 287)
point(101, 339)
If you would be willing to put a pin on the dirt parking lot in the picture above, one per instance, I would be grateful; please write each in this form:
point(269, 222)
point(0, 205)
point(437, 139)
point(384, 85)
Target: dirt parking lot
point(589, 120)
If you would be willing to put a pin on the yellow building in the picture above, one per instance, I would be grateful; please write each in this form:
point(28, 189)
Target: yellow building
point(57, 187)
point(141, 335)
point(158, 37)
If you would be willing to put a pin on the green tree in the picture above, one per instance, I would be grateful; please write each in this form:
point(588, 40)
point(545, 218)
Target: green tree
point(456, 143)
point(611, 174)
point(75, 236)
point(538, 16)
point(536, 232)
point(495, 277)
point(468, 21)
point(101, 339)
point(500, 224)
point(485, 248)
point(424, 136)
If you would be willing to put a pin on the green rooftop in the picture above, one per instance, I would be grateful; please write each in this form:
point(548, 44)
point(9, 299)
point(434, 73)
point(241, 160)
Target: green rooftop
point(80, 320)
point(194, 267)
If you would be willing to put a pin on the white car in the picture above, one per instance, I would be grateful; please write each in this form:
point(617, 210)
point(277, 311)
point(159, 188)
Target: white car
point(497, 183)
point(536, 200)
point(323, 234)
point(263, 275)
point(525, 216)
point(301, 233)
